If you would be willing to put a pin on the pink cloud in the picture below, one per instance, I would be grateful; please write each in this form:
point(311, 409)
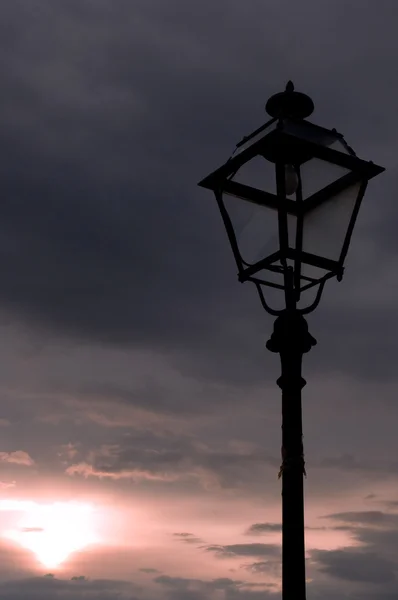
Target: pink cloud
point(88, 470)
point(5, 485)
point(19, 457)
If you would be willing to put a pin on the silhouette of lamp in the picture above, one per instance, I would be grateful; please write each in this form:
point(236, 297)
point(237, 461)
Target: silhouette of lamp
point(289, 197)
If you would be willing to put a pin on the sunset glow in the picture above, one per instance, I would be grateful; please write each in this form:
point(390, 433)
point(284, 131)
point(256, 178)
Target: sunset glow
point(52, 531)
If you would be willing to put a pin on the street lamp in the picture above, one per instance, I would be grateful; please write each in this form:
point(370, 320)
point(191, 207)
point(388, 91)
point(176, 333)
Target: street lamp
point(308, 190)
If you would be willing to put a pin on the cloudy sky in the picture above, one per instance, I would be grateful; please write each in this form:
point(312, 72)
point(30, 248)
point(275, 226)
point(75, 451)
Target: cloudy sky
point(139, 415)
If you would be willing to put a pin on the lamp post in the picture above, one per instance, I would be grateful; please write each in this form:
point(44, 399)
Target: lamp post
point(311, 187)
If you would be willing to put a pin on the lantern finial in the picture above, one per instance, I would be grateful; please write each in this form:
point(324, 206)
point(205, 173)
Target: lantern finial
point(290, 104)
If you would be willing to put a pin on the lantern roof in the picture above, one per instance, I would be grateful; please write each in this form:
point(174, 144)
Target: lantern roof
point(292, 141)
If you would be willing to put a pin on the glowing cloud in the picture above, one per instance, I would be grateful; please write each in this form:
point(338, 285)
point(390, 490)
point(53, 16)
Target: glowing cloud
point(52, 531)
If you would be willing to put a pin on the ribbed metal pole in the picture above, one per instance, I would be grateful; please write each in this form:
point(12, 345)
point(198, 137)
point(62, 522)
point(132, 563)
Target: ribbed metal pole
point(291, 340)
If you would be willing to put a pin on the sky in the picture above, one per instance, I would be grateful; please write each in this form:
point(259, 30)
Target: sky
point(139, 414)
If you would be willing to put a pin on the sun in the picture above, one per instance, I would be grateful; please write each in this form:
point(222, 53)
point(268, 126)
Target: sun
point(54, 531)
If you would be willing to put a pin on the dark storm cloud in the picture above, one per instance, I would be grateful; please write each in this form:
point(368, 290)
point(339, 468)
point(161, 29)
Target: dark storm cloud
point(272, 567)
point(109, 116)
point(382, 539)
point(48, 587)
point(357, 566)
point(369, 517)
point(237, 550)
point(160, 392)
point(373, 560)
point(264, 528)
point(188, 538)
point(149, 570)
point(377, 530)
point(188, 589)
point(98, 239)
point(169, 458)
point(347, 462)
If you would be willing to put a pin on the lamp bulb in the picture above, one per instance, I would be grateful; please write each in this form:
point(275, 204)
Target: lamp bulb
point(291, 180)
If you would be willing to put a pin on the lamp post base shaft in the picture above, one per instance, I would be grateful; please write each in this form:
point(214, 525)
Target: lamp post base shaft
point(292, 472)
point(291, 340)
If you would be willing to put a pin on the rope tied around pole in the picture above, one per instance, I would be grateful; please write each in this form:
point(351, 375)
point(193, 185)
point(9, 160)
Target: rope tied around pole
point(292, 462)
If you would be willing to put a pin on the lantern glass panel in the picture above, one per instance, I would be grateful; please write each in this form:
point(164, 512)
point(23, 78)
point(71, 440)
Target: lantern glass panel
point(313, 133)
point(258, 173)
point(325, 227)
point(255, 227)
point(312, 272)
point(292, 230)
point(316, 174)
point(340, 147)
point(270, 276)
point(256, 138)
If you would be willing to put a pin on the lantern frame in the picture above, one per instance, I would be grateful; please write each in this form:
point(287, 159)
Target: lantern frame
point(283, 140)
